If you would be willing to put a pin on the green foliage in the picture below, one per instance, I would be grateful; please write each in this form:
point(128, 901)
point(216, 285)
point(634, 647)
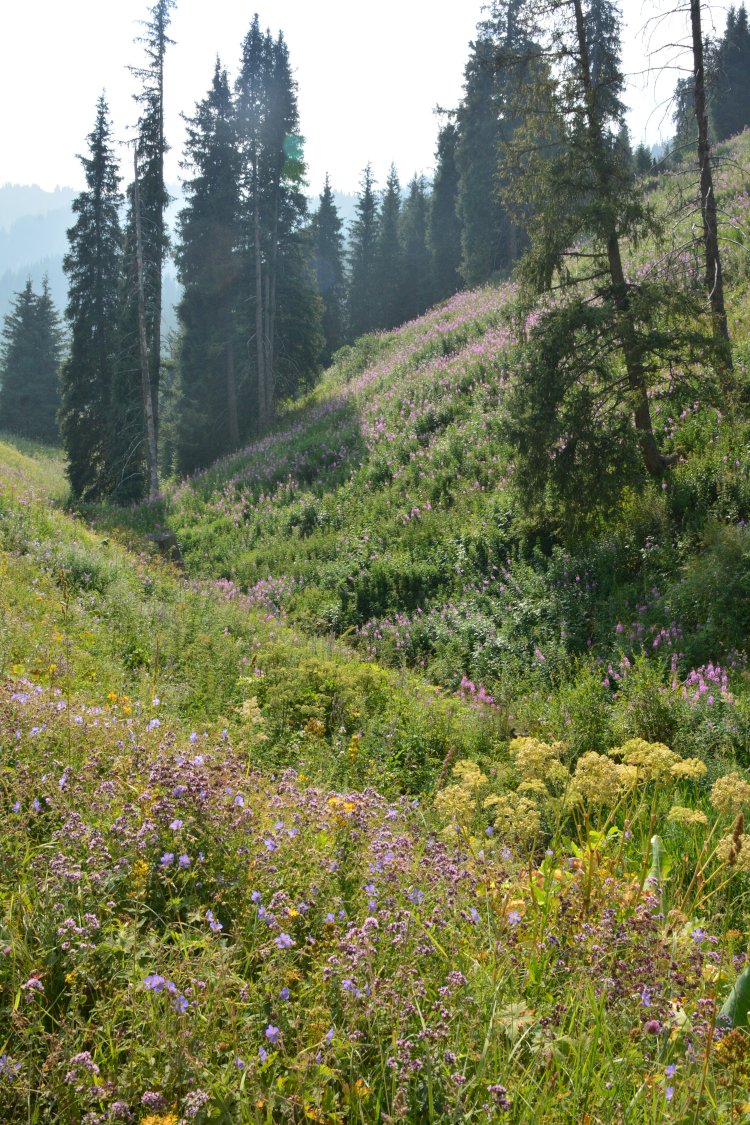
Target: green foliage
point(444, 227)
point(729, 67)
point(93, 266)
point(363, 241)
point(328, 262)
point(209, 347)
point(29, 366)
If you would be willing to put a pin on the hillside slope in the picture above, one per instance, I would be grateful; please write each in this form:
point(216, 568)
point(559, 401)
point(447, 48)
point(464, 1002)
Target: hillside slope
point(384, 510)
point(272, 851)
point(191, 929)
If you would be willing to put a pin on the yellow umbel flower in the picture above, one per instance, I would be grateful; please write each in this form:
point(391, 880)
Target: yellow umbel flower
point(539, 761)
point(600, 781)
point(653, 760)
point(688, 818)
point(730, 794)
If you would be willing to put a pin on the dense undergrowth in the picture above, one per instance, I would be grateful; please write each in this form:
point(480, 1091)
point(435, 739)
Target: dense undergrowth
point(401, 802)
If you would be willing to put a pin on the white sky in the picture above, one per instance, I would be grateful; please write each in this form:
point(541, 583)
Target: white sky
point(369, 76)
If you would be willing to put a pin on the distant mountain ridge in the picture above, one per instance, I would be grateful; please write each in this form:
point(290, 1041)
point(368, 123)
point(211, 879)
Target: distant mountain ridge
point(18, 201)
point(33, 240)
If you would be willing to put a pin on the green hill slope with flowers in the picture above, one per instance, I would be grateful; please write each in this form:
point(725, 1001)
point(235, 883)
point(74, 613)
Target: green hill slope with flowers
point(405, 801)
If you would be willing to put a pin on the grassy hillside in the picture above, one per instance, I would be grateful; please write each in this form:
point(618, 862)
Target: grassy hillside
point(384, 510)
point(402, 802)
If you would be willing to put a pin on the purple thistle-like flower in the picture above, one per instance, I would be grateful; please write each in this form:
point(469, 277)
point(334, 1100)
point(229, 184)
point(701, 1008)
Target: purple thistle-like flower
point(652, 1027)
point(150, 1099)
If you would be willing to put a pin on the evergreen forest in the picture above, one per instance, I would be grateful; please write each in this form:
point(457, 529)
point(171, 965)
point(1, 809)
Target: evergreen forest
point(374, 684)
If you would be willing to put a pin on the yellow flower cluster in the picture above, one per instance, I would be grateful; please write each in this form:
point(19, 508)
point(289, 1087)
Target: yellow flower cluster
point(600, 781)
point(687, 818)
point(468, 775)
point(689, 769)
point(653, 760)
point(730, 794)
point(457, 803)
point(253, 719)
point(538, 761)
point(728, 852)
point(515, 816)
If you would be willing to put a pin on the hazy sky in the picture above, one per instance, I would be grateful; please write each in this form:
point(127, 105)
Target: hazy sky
point(369, 76)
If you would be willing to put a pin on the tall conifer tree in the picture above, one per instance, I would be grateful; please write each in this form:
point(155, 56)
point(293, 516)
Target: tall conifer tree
point(730, 111)
point(328, 261)
point(444, 233)
point(208, 265)
point(580, 412)
point(29, 366)
point(363, 242)
point(151, 149)
point(417, 261)
point(137, 378)
point(388, 266)
point(93, 266)
point(273, 205)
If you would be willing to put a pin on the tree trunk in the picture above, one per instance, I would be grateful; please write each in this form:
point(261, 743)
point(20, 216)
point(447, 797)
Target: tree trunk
point(259, 326)
point(233, 422)
point(146, 383)
point(156, 326)
point(270, 310)
point(653, 459)
point(714, 278)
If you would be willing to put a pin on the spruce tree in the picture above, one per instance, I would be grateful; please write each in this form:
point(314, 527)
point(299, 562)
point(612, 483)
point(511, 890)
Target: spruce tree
point(730, 109)
point(444, 231)
point(300, 342)
point(496, 76)
point(328, 261)
point(273, 206)
point(93, 268)
point(709, 211)
point(579, 414)
point(151, 149)
point(363, 241)
point(208, 267)
point(417, 261)
point(29, 366)
point(482, 217)
point(388, 265)
point(146, 243)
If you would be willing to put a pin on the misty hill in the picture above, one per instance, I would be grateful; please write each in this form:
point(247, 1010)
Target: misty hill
point(33, 241)
point(18, 201)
